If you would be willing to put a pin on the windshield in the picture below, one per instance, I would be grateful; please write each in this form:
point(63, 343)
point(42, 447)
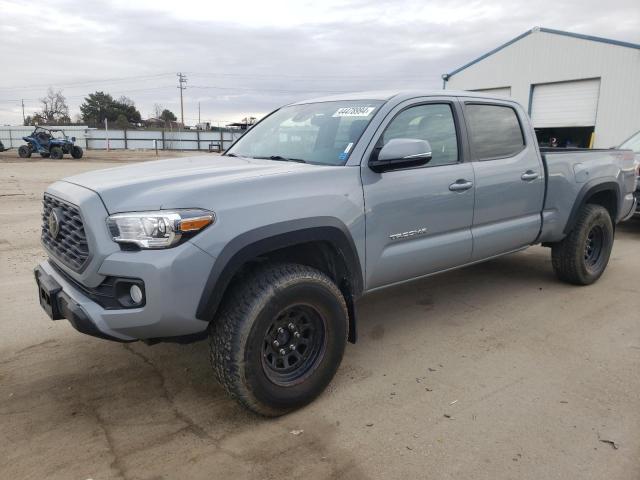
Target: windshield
point(320, 133)
point(43, 132)
point(632, 143)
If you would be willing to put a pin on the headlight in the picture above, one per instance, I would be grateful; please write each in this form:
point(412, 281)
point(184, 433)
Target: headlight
point(161, 229)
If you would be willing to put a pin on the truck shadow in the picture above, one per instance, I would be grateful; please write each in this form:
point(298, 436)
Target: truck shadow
point(457, 296)
point(631, 226)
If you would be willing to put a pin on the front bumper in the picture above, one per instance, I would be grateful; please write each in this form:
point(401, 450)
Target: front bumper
point(173, 283)
point(58, 305)
point(630, 205)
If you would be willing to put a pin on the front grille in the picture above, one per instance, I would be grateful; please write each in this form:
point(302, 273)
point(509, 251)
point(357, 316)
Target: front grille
point(70, 244)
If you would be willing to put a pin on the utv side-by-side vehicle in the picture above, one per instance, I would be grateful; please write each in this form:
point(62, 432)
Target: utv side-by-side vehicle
point(52, 143)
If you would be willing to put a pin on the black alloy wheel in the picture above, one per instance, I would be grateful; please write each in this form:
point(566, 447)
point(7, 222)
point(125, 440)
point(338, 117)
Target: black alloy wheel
point(292, 345)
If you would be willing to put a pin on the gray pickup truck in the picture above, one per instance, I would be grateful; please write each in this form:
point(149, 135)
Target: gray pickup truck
point(267, 249)
point(633, 143)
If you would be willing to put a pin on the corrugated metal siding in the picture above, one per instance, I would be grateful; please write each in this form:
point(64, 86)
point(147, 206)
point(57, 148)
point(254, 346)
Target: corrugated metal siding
point(545, 58)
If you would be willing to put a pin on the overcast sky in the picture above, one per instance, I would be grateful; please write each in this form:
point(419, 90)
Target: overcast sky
point(248, 57)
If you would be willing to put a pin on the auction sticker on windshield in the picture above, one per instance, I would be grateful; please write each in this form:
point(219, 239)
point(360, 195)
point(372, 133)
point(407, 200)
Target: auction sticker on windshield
point(354, 112)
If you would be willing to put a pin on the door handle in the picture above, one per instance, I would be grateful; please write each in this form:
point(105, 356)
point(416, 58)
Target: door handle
point(460, 185)
point(529, 175)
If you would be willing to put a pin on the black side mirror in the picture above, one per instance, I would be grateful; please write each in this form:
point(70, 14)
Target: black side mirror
point(400, 153)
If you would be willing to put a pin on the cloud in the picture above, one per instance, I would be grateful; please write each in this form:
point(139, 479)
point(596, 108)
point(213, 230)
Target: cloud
point(249, 58)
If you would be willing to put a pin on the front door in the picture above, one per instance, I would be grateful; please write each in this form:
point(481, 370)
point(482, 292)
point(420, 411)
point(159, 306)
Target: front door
point(418, 220)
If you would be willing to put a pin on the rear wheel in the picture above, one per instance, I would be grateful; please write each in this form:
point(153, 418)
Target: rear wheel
point(279, 338)
point(76, 152)
point(24, 151)
point(56, 153)
point(583, 255)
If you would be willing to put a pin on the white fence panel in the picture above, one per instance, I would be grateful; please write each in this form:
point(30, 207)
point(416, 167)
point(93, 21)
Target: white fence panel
point(145, 134)
point(11, 136)
point(89, 138)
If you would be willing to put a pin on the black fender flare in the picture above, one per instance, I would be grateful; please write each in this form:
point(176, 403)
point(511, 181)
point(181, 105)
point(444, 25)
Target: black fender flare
point(588, 190)
point(262, 240)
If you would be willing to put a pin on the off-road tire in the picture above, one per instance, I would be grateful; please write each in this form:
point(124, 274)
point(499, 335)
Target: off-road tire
point(76, 152)
point(570, 258)
point(24, 151)
point(56, 153)
point(239, 333)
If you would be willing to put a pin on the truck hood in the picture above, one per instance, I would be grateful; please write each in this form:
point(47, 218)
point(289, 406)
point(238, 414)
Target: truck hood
point(173, 183)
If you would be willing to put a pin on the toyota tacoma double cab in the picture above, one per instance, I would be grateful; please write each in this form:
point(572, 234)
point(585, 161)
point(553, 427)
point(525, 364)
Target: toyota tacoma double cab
point(266, 249)
point(633, 143)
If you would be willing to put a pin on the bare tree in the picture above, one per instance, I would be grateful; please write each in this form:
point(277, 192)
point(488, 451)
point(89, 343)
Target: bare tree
point(157, 110)
point(126, 101)
point(54, 108)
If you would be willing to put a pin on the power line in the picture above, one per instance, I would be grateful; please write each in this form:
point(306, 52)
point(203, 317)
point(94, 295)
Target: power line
point(86, 82)
point(204, 74)
point(215, 87)
point(121, 92)
point(391, 76)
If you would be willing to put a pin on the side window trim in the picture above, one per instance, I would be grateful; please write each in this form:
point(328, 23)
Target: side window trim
point(472, 149)
point(456, 123)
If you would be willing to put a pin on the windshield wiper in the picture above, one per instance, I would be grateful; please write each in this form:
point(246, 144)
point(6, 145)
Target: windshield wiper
point(280, 158)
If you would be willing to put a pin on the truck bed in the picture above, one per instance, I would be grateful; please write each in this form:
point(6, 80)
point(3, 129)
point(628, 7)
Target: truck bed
point(570, 173)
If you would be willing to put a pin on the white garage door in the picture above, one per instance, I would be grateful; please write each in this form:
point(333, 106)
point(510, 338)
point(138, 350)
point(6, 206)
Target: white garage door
point(566, 104)
point(503, 91)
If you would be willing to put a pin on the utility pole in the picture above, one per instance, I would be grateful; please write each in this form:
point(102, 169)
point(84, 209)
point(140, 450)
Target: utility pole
point(182, 80)
point(24, 120)
point(198, 112)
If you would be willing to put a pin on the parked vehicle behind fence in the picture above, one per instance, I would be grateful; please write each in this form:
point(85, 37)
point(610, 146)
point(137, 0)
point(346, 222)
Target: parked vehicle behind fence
point(49, 143)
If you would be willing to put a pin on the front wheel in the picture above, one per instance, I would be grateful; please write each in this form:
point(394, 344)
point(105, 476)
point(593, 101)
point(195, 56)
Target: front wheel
point(76, 152)
point(24, 151)
point(583, 255)
point(279, 338)
point(56, 153)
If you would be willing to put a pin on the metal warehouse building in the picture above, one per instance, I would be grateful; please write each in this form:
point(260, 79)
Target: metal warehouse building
point(582, 90)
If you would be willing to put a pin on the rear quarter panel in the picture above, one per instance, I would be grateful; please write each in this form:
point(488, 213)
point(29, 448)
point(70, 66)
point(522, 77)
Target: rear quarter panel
point(570, 173)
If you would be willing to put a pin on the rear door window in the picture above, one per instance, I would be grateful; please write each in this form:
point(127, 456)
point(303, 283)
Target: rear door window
point(494, 131)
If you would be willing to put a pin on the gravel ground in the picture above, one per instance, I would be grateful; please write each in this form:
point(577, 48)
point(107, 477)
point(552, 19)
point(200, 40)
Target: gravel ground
point(491, 372)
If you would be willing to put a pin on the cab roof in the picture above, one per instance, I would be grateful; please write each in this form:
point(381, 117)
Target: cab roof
point(399, 95)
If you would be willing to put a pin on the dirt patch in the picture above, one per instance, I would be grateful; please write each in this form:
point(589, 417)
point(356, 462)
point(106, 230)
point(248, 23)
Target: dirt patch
point(495, 371)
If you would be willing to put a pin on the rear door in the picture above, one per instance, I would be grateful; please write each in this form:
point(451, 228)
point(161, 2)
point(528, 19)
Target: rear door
point(509, 177)
point(418, 220)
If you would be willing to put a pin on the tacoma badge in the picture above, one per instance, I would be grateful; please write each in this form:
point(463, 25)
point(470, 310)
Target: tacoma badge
point(410, 233)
